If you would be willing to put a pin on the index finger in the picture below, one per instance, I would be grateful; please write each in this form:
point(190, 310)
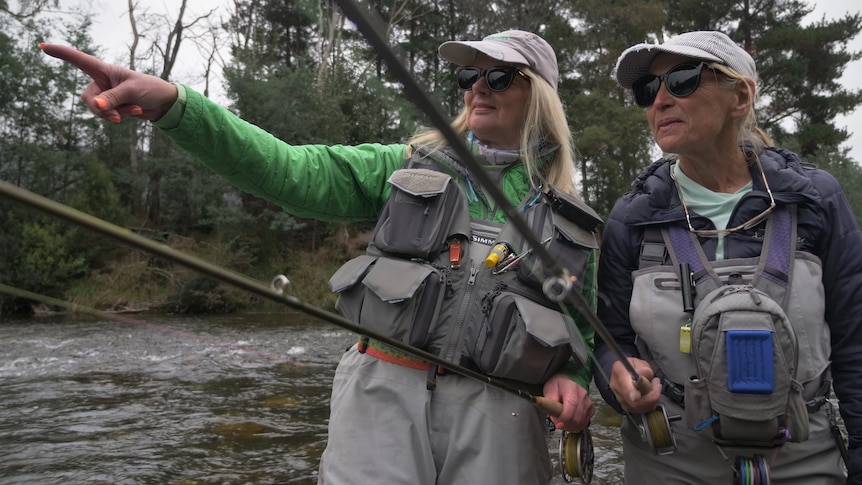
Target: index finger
point(91, 66)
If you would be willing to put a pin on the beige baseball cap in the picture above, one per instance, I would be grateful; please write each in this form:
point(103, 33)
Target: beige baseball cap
point(514, 46)
point(708, 45)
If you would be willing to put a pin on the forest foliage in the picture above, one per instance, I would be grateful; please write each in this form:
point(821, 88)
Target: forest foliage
point(302, 71)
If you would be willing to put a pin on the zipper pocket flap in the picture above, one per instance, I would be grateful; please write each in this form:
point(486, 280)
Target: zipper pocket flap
point(575, 233)
point(394, 280)
point(544, 324)
point(551, 327)
point(350, 273)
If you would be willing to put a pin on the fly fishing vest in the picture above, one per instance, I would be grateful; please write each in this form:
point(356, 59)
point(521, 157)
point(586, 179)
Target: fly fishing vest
point(424, 281)
point(741, 344)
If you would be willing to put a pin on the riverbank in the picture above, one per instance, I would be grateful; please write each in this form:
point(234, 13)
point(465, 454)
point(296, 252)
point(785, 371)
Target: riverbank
point(134, 281)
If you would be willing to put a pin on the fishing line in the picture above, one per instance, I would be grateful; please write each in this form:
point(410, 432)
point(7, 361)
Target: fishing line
point(76, 308)
point(273, 292)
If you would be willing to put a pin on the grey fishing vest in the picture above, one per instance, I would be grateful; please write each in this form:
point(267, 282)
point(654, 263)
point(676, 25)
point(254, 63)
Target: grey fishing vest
point(424, 281)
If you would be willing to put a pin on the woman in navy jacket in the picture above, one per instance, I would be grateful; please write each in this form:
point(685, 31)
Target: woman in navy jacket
point(721, 181)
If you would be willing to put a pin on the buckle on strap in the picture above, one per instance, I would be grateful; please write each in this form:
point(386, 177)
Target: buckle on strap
point(820, 397)
point(674, 392)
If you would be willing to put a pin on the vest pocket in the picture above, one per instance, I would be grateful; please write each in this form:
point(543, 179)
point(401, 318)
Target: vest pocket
point(347, 283)
point(397, 298)
point(418, 217)
point(567, 243)
point(522, 340)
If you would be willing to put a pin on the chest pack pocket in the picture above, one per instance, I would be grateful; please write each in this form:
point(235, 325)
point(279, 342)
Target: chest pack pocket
point(744, 347)
point(745, 351)
point(524, 340)
point(523, 336)
point(567, 229)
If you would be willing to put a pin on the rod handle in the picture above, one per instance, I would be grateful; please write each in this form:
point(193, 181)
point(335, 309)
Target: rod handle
point(644, 385)
point(553, 408)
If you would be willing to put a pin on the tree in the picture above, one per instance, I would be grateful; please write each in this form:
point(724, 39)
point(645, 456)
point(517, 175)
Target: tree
point(611, 134)
point(799, 66)
point(43, 150)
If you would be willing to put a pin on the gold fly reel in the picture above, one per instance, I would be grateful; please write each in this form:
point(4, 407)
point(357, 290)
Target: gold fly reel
point(658, 433)
point(576, 456)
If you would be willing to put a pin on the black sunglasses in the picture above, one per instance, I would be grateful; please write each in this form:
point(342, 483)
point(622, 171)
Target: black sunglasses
point(681, 81)
point(497, 78)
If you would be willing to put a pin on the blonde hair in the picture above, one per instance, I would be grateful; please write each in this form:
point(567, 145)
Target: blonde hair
point(749, 134)
point(544, 124)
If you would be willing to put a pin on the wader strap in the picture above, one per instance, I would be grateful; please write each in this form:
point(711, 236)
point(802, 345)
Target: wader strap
point(686, 249)
point(782, 250)
point(653, 248)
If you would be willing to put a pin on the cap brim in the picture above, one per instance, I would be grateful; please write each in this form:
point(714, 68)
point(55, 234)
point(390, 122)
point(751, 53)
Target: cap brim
point(464, 53)
point(634, 62)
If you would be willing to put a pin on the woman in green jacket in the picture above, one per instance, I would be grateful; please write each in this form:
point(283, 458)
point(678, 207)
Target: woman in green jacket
point(394, 418)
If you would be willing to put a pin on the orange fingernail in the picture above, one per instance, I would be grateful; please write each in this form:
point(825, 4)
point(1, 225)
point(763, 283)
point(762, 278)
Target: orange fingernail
point(136, 110)
point(115, 118)
point(41, 45)
point(101, 103)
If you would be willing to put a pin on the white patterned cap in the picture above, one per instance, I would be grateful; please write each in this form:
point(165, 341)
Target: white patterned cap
point(514, 46)
point(707, 45)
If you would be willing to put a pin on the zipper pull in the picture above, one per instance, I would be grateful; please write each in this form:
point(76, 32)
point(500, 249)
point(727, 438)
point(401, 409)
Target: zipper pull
point(474, 271)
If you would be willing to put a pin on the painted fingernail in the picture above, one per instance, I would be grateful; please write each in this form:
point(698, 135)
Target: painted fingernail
point(136, 111)
point(41, 45)
point(115, 118)
point(101, 103)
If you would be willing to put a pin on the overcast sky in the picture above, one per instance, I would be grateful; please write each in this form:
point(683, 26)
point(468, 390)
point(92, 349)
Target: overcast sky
point(111, 31)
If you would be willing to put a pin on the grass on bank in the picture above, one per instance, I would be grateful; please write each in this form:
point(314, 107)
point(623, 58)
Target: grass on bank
point(135, 281)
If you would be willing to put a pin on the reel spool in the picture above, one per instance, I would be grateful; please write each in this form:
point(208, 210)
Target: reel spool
point(751, 470)
point(576, 456)
point(656, 426)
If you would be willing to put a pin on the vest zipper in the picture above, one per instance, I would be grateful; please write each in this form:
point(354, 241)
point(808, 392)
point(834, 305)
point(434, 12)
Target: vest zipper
point(455, 336)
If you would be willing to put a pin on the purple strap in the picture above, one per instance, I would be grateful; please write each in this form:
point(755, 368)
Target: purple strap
point(779, 253)
point(776, 248)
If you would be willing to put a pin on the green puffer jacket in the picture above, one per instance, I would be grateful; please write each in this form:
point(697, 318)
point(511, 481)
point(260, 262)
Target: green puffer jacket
point(328, 183)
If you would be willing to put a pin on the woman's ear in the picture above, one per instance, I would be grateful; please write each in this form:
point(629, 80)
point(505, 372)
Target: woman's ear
point(745, 96)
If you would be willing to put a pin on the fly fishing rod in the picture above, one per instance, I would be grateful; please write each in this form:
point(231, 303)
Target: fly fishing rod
point(274, 292)
point(370, 27)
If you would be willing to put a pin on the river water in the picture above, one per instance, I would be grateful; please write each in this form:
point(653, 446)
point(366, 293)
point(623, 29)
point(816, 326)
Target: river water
point(236, 399)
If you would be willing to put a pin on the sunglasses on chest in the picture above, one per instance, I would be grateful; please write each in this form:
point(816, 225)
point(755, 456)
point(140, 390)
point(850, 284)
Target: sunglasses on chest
point(681, 81)
point(497, 78)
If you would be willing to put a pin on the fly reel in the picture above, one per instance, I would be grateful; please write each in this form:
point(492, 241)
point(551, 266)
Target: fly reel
point(576, 456)
point(657, 430)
